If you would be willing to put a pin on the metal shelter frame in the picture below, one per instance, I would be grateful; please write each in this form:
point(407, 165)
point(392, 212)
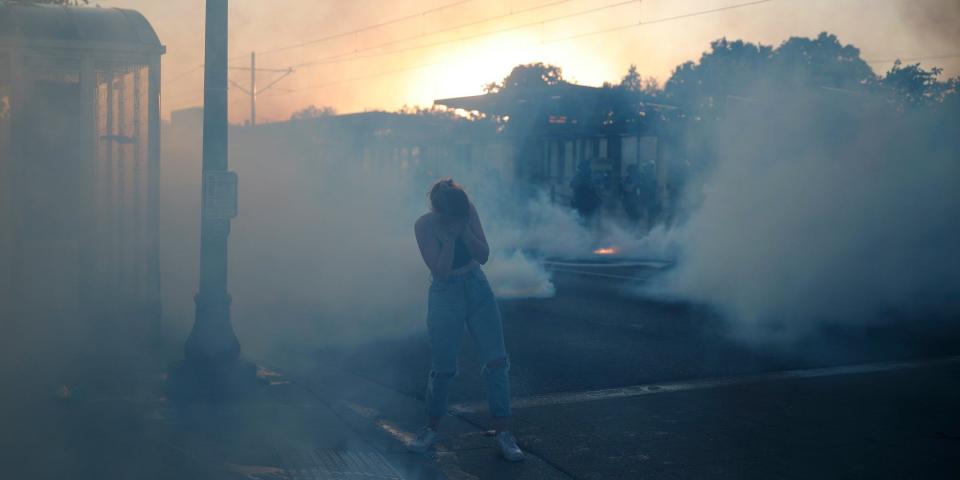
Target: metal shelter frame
point(79, 166)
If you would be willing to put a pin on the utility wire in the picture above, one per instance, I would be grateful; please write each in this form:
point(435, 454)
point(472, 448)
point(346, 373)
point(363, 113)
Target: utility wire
point(366, 28)
point(917, 59)
point(571, 37)
point(393, 42)
point(180, 95)
point(357, 78)
point(183, 74)
point(344, 57)
point(455, 27)
point(331, 37)
point(704, 12)
point(643, 23)
point(640, 23)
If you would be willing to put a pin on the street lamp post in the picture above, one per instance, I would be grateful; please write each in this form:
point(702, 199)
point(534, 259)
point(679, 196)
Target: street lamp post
point(213, 365)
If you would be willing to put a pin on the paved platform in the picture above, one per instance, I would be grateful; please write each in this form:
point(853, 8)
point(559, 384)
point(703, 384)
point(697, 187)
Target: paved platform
point(889, 420)
point(896, 420)
point(892, 424)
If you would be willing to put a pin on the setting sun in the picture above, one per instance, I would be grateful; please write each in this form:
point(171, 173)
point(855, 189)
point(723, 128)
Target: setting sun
point(464, 68)
point(609, 239)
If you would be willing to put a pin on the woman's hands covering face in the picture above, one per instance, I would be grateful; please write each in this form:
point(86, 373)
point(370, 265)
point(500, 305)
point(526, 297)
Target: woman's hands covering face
point(450, 229)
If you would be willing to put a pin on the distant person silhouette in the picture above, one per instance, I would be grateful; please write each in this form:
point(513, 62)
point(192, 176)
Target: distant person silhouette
point(630, 193)
point(453, 246)
point(586, 196)
point(647, 197)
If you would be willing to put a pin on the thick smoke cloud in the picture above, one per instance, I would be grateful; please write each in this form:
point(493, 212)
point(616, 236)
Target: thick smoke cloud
point(938, 20)
point(323, 251)
point(320, 253)
point(824, 209)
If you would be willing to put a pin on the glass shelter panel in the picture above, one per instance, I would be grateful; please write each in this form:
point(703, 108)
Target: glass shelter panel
point(122, 156)
point(6, 208)
point(46, 171)
point(5, 93)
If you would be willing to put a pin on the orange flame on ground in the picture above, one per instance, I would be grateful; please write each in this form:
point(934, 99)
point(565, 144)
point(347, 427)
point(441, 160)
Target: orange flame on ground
point(605, 251)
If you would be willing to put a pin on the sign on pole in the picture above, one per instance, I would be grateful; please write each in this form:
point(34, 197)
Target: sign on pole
point(220, 195)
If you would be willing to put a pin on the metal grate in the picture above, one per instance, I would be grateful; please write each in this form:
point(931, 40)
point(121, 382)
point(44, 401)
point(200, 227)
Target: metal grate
point(337, 465)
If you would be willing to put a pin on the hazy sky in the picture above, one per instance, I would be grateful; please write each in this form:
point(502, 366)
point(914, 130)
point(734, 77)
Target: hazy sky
point(429, 58)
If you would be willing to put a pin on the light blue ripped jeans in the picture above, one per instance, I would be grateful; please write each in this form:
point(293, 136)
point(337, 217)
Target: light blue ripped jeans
point(455, 303)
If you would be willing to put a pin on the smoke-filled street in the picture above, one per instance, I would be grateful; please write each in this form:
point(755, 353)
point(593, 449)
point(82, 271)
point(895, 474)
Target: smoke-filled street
point(594, 337)
point(611, 386)
point(472, 240)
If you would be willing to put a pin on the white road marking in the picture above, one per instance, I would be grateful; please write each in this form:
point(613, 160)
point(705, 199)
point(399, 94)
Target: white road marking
point(594, 274)
point(638, 263)
point(655, 388)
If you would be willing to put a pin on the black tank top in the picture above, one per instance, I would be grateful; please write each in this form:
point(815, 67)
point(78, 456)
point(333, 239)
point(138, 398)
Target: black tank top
point(461, 257)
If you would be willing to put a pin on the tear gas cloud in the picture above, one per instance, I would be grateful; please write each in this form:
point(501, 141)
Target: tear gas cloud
point(815, 210)
point(824, 209)
point(323, 251)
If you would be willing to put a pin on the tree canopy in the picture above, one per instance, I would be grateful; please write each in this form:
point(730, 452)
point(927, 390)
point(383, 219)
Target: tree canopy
point(312, 111)
point(738, 70)
point(527, 76)
point(912, 85)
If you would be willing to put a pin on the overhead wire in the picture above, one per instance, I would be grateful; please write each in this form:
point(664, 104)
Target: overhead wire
point(183, 74)
point(346, 56)
point(398, 20)
point(567, 38)
point(640, 23)
point(356, 78)
point(365, 28)
point(917, 59)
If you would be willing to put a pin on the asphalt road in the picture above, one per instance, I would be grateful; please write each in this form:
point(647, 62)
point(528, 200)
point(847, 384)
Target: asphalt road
point(598, 334)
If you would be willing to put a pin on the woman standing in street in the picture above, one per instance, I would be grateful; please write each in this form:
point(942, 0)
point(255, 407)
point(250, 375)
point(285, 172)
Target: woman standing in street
point(453, 246)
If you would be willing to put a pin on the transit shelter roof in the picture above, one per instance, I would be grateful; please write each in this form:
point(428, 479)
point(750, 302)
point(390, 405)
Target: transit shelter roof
point(76, 26)
point(505, 102)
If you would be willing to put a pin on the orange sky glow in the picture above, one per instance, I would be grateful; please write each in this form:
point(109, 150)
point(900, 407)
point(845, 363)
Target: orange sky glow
point(409, 52)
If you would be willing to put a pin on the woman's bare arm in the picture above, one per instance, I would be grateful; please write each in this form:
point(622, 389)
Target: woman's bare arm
point(436, 248)
point(474, 238)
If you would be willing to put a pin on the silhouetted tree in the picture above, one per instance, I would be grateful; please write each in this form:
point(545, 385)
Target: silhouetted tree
point(820, 62)
point(313, 112)
point(529, 75)
point(729, 68)
point(737, 70)
point(913, 85)
point(630, 95)
point(634, 82)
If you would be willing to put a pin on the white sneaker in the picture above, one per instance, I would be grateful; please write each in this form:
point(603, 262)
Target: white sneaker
point(508, 447)
point(425, 439)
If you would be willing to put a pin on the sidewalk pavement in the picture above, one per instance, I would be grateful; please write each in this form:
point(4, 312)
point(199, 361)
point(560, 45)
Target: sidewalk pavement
point(387, 420)
point(316, 422)
point(329, 426)
point(887, 420)
point(891, 420)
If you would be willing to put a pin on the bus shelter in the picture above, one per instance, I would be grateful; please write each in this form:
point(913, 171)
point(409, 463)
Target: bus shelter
point(79, 170)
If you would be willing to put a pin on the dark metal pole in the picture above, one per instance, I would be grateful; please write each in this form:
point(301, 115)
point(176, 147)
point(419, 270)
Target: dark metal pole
point(212, 340)
point(153, 200)
point(253, 88)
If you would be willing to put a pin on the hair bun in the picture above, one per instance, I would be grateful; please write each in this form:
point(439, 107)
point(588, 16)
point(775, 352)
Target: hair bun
point(448, 197)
